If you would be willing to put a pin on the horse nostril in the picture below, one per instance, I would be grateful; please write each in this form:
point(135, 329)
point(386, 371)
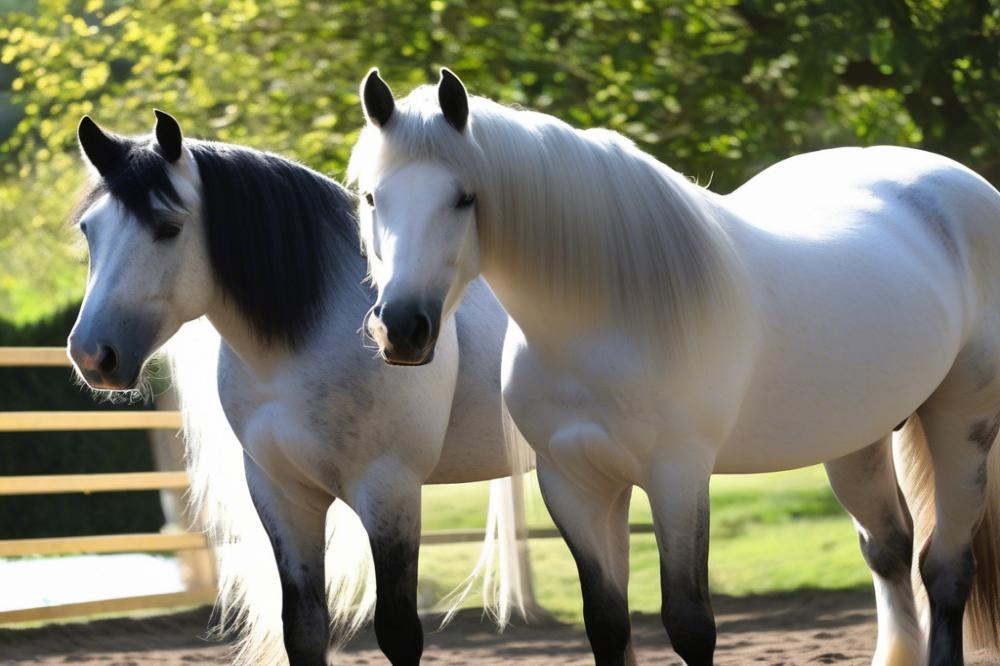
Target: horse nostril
point(421, 333)
point(107, 359)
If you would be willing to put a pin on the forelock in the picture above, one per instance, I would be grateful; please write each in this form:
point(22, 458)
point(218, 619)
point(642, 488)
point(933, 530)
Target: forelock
point(142, 175)
point(417, 131)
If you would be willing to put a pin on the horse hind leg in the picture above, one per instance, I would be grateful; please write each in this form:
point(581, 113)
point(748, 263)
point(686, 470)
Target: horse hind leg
point(959, 446)
point(592, 517)
point(865, 484)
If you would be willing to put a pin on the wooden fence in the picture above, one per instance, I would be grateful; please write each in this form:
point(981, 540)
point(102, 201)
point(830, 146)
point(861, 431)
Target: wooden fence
point(35, 421)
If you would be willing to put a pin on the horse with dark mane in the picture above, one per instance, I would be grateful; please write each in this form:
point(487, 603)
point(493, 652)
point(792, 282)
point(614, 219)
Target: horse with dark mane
point(295, 435)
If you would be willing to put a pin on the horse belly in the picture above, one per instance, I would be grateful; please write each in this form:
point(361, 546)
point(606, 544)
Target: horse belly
point(856, 347)
point(474, 446)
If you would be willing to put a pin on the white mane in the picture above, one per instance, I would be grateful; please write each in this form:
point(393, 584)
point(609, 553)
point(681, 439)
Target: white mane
point(584, 219)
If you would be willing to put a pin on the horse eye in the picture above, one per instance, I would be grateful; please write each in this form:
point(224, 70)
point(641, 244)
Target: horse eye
point(166, 232)
point(83, 229)
point(465, 199)
point(370, 199)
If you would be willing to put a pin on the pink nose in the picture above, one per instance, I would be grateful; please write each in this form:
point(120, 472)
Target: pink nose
point(82, 359)
point(103, 359)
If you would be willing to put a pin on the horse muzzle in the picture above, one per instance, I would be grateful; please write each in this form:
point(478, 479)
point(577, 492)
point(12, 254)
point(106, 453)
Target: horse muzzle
point(112, 363)
point(103, 365)
point(406, 332)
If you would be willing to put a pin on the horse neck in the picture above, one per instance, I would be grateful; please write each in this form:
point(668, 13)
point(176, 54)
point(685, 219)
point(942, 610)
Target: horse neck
point(568, 242)
point(236, 332)
point(265, 358)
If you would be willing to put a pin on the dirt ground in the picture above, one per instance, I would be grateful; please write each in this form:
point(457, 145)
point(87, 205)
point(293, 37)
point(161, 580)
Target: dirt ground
point(800, 628)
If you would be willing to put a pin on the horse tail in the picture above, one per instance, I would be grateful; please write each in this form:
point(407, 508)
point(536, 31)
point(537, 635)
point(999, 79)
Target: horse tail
point(915, 475)
point(513, 590)
point(984, 603)
point(249, 600)
point(248, 607)
point(502, 559)
point(350, 573)
point(915, 472)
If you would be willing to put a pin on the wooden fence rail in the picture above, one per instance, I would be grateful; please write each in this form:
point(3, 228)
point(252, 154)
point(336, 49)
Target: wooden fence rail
point(92, 483)
point(34, 357)
point(102, 544)
point(184, 599)
point(92, 420)
point(47, 421)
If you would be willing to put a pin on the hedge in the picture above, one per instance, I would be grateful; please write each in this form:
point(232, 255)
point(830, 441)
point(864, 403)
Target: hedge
point(67, 452)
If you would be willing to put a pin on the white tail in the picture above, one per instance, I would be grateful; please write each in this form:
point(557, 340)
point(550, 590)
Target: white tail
point(506, 578)
point(916, 477)
point(984, 604)
point(249, 599)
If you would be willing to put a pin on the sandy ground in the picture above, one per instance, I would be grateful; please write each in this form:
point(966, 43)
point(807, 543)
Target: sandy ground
point(800, 628)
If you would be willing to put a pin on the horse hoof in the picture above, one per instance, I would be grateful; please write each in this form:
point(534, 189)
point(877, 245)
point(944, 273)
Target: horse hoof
point(899, 652)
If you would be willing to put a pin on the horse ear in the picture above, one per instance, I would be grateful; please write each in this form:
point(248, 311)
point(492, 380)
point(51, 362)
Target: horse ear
point(101, 150)
point(168, 135)
point(454, 99)
point(377, 97)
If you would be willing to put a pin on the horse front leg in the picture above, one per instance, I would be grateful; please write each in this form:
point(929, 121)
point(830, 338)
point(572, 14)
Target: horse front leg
point(678, 497)
point(297, 531)
point(388, 504)
point(592, 516)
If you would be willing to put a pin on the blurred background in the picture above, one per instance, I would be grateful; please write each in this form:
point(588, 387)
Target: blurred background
point(718, 89)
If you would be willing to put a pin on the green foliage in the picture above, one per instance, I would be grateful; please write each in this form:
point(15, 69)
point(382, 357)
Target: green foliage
point(717, 88)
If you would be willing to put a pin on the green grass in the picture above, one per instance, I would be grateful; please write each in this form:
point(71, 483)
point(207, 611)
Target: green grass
point(770, 533)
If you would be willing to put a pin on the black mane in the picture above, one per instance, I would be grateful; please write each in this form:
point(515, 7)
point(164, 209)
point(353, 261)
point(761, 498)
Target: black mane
point(276, 230)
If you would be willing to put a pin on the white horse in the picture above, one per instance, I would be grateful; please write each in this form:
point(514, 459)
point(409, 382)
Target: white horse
point(664, 333)
point(267, 251)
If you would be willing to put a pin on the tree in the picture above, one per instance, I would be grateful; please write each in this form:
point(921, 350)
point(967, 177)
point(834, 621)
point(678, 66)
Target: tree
point(716, 88)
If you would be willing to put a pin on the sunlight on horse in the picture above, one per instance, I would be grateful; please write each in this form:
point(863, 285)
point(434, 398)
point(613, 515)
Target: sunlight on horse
point(661, 333)
point(286, 413)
